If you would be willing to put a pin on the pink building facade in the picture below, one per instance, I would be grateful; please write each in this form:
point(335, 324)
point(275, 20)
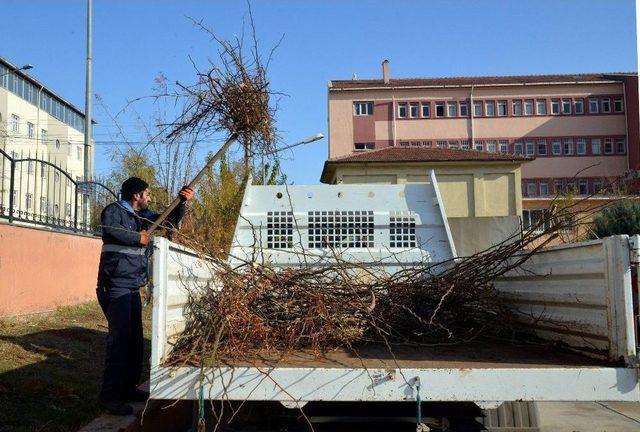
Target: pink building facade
point(582, 131)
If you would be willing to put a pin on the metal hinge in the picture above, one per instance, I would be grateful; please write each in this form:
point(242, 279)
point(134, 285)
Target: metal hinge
point(634, 250)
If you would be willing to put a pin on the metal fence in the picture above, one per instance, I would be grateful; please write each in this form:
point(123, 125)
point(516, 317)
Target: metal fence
point(37, 191)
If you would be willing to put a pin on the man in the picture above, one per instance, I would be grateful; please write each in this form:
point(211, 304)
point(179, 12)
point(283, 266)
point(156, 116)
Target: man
point(122, 271)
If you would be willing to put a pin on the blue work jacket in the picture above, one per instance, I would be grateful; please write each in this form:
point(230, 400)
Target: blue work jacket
point(124, 261)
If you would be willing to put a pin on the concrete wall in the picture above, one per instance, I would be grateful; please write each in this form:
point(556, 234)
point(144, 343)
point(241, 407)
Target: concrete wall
point(473, 235)
point(41, 270)
point(472, 190)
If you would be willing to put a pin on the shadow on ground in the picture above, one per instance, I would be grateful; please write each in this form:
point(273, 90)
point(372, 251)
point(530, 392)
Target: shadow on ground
point(56, 390)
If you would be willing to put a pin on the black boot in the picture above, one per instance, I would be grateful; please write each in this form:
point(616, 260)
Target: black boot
point(117, 408)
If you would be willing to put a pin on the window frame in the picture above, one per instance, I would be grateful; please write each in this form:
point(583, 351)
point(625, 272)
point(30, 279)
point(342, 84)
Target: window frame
point(544, 104)
point(607, 101)
point(565, 142)
point(578, 102)
point(464, 105)
point(584, 146)
point(594, 103)
point(566, 103)
point(615, 102)
point(517, 145)
point(358, 111)
point(546, 188)
point(617, 142)
point(517, 103)
point(476, 105)
point(488, 104)
point(505, 105)
point(532, 186)
point(585, 183)
point(530, 145)
point(414, 106)
point(555, 103)
point(478, 145)
point(503, 146)
point(452, 107)
point(440, 105)
point(403, 106)
point(558, 148)
point(426, 105)
point(597, 141)
point(368, 146)
point(528, 103)
point(543, 143)
point(609, 141)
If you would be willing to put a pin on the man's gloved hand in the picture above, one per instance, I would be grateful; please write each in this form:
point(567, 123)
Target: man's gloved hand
point(185, 194)
point(144, 238)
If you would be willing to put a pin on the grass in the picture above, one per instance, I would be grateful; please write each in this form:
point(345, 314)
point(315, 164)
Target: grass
point(51, 368)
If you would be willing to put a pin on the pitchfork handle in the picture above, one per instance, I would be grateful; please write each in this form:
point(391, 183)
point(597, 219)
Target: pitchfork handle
point(191, 185)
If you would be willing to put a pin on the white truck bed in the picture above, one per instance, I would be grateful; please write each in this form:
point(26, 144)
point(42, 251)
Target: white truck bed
point(586, 285)
point(579, 294)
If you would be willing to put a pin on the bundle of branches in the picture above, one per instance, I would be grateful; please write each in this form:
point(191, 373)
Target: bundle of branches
point(232, 96)
point(320, 308)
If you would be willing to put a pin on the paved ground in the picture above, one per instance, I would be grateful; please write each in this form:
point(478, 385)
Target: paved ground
point(589, 416)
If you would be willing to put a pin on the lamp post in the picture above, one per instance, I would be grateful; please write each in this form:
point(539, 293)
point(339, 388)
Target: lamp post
point(25, 67)
point(307, 140)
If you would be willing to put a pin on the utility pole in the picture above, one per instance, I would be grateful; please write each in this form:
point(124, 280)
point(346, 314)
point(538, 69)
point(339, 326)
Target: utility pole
point(87, 103)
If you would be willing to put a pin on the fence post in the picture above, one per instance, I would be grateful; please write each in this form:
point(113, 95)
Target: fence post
point(12, 186)
point(75, 213)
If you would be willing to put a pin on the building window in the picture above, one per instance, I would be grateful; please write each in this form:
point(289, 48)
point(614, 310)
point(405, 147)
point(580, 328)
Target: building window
point(517, 108)
point(532, 189)
point(43, 170)
point(43, 136)
point(593, 106)
point(464, 145)
point(491, 146)
point(15, 123)
point(452, 109)
point(544, 188)
point(542, 147)
point(31, 130)
point(490, 109)
point(568, 146)
point(556, 147)
point(617, 105)
point(57, 143)
point(528, 107)
point(439, 109)
point(606, 105)
point(504, 146)
point(595, 146)
point(413, 110)
point(620, 147)
point(416, 144)
point(535, 219)
point(357, 146)
point(502, 108)
point(30, 167)
point(608, 145)
point(597, 186)
point(517, 148)
point(68, 149)
point(79, 152)
point(402, 144)
point(426, 144)
point(541, 107)
point(583, 187)
point(478, 146)
point(581, 146)
point(441, 144)
point(29, 199)
point(477, 109)
point(363, 108)
point(530, 148)
point(453, 145)
point(570, 187)
point(555, 107)
point(402, 110)
point(558, 186)
point(464, 109)
point(566, 106)
point(578, 106)
point(426, 109)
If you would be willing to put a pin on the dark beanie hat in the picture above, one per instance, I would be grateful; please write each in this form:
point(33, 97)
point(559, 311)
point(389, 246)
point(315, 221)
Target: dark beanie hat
point(132, 186)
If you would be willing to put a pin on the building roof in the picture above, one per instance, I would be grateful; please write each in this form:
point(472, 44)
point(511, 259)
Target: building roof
point(420, 154)
point(37, 83)
point(336, 85)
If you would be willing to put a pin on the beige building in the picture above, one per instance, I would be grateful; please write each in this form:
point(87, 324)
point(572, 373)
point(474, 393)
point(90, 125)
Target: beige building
point(37, 123)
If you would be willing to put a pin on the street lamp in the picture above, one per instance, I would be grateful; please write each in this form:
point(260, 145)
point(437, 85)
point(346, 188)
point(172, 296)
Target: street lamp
point(25, 67)
point(307, 140)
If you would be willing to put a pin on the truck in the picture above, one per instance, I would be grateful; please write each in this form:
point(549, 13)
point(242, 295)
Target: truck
point(579, 297)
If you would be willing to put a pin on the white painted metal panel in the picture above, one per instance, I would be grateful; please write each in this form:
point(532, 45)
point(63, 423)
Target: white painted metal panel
point(396, 225)
point(579, 294)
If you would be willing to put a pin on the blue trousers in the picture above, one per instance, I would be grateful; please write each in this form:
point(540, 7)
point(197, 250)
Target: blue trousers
point(125, 344)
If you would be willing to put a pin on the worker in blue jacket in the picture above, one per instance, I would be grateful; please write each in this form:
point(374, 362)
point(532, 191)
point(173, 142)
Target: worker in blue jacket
point(122, 271)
